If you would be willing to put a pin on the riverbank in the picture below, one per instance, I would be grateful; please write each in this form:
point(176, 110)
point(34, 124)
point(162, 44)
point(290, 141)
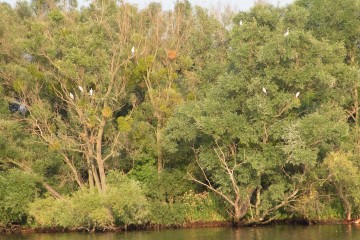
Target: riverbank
point(16, 229)
point(279, 232)
point(9, 229)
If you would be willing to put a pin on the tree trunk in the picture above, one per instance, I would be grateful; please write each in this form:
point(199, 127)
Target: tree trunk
point(90, 175)
point(102, 175)
point(74, 170)
point(91, 179)
point(96, 176)
point(348, 216)
point(240, 210)
point(93, 174)
point(348, 210)
point(52, 191)
point(346, 204)
point(258, 201)
point(99, 160)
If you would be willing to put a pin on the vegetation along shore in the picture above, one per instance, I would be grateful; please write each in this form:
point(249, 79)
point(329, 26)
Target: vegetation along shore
point(116, 117)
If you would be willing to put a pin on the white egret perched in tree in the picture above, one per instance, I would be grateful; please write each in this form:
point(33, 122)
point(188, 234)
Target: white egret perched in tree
point(264, 90)
point(297, 94)
point(133, 51)
point(72, 96)
point(91, 91)
point(287, 32)
point(81, 88)
point(241, 23)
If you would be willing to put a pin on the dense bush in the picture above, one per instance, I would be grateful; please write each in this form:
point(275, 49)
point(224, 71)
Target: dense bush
point(254, 117)
point(123, 203)
point(189, 208)
point(17, 190)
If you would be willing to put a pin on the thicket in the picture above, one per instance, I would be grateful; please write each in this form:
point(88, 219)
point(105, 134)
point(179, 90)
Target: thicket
point(111, 115)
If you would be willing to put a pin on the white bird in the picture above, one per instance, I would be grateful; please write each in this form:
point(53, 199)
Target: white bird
point(72, 96)
point(297, 94)
point(286, 33)
point(81, 89)
point(91, 91)
point(133, 51)
point(241, 23)
point(264, 90)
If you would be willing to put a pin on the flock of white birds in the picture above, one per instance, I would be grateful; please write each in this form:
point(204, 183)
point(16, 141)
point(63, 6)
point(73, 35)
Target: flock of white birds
point(91, 91)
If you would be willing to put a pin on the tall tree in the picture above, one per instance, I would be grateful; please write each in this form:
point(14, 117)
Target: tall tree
point(175, 66)
point(73, 84)
point(254, 134)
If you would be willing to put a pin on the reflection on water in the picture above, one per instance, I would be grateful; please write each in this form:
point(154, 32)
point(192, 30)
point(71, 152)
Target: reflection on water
point(280, 232)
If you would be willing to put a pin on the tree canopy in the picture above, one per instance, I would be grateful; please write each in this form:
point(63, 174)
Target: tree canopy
point(112, 115)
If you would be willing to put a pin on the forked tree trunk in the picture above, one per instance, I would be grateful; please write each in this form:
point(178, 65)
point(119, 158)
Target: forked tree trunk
point(99, 157)
point(240, 210)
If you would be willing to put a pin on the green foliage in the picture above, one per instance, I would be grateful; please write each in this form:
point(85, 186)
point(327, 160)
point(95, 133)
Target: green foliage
point(166, 214)
point(83, 209)
point(18, 190)
point(265, 123)
point(188, 208)
point(264, 126)
point(344, 174)
point(334, 20)
point(126, 199)
point(202, 207)
point(123, 203)
point(56, 16)
point(313, 206)
point(124, 124)
point(172, 202)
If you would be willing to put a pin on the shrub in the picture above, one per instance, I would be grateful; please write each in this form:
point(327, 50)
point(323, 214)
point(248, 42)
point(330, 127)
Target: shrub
point(17, 190)
point(190, 207)
point(122, 203)
point(202, 207)
point(167, 214)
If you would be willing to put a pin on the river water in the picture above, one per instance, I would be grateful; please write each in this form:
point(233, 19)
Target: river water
point(279, 232)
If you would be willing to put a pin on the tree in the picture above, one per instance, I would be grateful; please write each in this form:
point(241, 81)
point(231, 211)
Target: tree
point(338, 21)
point(74, 85)
point(174, 69)
point(344, 175)
point(268, 142)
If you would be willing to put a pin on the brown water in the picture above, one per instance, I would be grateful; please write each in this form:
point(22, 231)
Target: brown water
point(280, 232)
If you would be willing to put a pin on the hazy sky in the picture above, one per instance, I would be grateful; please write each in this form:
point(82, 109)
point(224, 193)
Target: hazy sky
point(236, 4)
point(168, 4)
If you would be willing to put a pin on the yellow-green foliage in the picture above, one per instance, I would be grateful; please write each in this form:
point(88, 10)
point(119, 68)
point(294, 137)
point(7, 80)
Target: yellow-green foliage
point(17, 190)
point(202, 207)
point(83, 209)
point(312, 206)
point(124, 123)
point(188, 208)
point(123, 203)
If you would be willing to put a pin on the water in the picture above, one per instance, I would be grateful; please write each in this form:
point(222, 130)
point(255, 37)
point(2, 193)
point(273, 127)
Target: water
point(280, 232)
